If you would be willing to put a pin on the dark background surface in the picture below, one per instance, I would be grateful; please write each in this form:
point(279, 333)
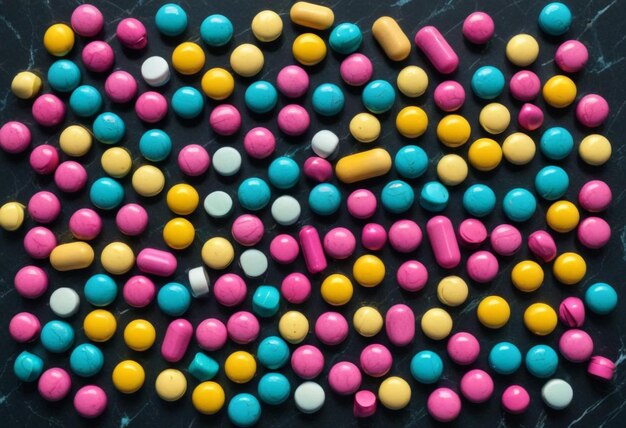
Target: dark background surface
point(599, 24)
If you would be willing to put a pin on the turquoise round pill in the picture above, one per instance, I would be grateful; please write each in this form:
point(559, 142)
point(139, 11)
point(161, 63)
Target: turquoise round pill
point(86, 360)
point(273, 352)
point(203, 367)
point(106, 193)
point(434, 197)
point(283, 173)
point(479, 200)
point(254, 194)
point(171, 20)
point(173, 299)
point(426, 367)
point(519, 204)
point(505, 358)
point(261, 97)
point(187, 102)
point(324, 199)
point(244, 410)
point(378, 96)
point(551, 182)
point(266, 301)
point(108, 128)
point(64, 75)
point(28, 367)
point(601, 298)
point(345, 38)
point(85, 101)
point(556, 143)
point(541, 361)
point(274, 388)
point(487, 82)
point(328, 99)
point(555, 19)
point(57, 336)
point(411, 161)
point(100, 290)
point(216, 30)
point(397, 196)
point(155, 145)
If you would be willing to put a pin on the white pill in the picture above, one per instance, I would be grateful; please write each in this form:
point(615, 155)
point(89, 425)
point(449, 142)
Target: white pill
point(557, 394)
point(64, 302)
point(199, 281)
point(218, 204)
point(227, 161)
point(253, 263)
point(309, 397)
point(286, 210)
point(155, 71)
point(325, 143)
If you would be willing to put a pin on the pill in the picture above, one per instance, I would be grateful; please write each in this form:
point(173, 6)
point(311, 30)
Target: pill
point(11, 216)
point(324, 143)
point(443, 242)
point(576, 345)
point(437, 50)
point(211, 334)
point(505, 358)
point(176, 340)
point(309, 397)
point(344, 378)
point(601, 368)
point(557, 394)
point(64, 302)
point(75, 255)
point(436, 323)
point(312, 15)
point(26, 85)
point(463, 348)
point(391, 38)
point(199, 281)
point(170, 385)
point(367, 321)
point(363, 165)
point(24, 327)
point(452, 291)
point(286, 210)
point(400, 325)
point(476, 386)
point(376, 360)
point(394, 393)
point(155, 71)
point(267, 26)
point(156, 262)
point(253, 262)
point(515, 399)
point(218, 204)
point(444, 405)
point(312, 249)
point(572, 312)
point(364, 404)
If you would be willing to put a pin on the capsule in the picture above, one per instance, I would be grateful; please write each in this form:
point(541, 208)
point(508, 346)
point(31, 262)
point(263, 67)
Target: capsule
point(391, 38)
point(542, 245)
point(312, 15)
point(312, 250)
point(443, 242)
point(156, 262)
point(363, 165)
point(72, 256)
point(400, 325)
point(176, 340)
point(437, 49)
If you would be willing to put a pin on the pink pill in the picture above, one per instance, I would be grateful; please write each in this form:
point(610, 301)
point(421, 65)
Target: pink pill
point(362, 204)
point(472, 233)
point(259, 143)
point(90, 401)
point(225, 119)
point(132, 33)
point(356, 69)
point(339, 243)
point(31, 282)
point(15, 137)
point(592, 110)
point(373, 236)
point(70, 177)
point(296, 288)
point(230, 290)
point(412, 275)
point(156, 262)
point(525, 85)
point(132, 219)
point(476, 386)
point(331, 328)
point(463, 348)
point(344, 378)
point(594, 232)
point(444, 405)
point(248, 230)
point(44, 159)
point(151, 107)
point(85, 224)
point(98, 56)
point(318, 169)
point(139, 291)
point(542, 245)
point(572, 312)
point(44, 207)
point(505, 239)
point(39, 242)
point(176, 340)
point(449, 96)
point(436, 48)
point(54, 384)
point(293, 120)
point(48, 110)
point(120, 87)
point(482, 266)
point(405, 236)
point(530, 117)
point(364, 404)
point(284, 249)
point(478, 28)
point(515, 399)
point(292, 81)
point(400, 324)
point(87, 20)
point(601, 368)
point(576, 345)
point(443, 242)
point(211, 334)
point(571, 56)
point(376, 360)
point(595, 196)
point(243, 327)
point(312, 249)
point(307, 361)
point(24, 327)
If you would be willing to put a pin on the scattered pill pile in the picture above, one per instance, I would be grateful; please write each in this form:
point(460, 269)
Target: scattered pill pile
point(329, 178)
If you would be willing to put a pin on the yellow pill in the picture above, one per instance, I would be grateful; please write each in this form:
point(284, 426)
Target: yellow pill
point(394, 393)
point(540, 319)
point(170, 385)
point(218, 253)
point(267, 26)
point(99, 325)
point(493, 312)
point(562, 216)
point(11, 216)
point(182, 199)
point(293, 327)
point(391, 38)
point(436, 323)
point(188, 58)
point(365, 127)
point(72, 256)
point(312, 15)
point(368, 270)
point(569, 268)
point(309, 49)
point(412, 81)
point(26, 85)
point(75, 140)
point(411, 122)
point(139, 335)
point(494, 118)
point(116, 162)
point(128, 376)
point(178, 233)
point(117, 258)
point(336, 289)
point(363, 165)
point(518, 148)
point(452, 291)
point(58, 39)
point(595, 149)
point(453, 130)
point(485, 154)
point(240, 367)
point(218, 84)
point(452, 170)
point(208, 398)
point(559, 91)
point(367, 321)
point(527, 276)
point(148, 181)
point(246, 60)
point(522, 50)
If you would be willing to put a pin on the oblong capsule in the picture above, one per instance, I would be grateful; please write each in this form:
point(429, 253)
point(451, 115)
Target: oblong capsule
point(391, 38)
point(176, 340)
point(400, 324)
point(312, 15)
point(437, 49)
point(443, 242)
point(312, 249)
point(361, 166)
point(156, 262)
point(75, 255)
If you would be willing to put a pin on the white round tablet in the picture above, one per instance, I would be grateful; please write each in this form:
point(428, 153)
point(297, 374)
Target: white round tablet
point(155, 71)
point(199, 281)
point(218, 204)
point(309, 397)
point(557, 394)
point(286, 210)
point(227, 161)
point(64, 302)
point(253, 263)
point(325, 143)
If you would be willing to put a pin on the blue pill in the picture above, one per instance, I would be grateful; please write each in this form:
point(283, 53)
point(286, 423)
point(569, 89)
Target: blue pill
point(555, 19)
point(426, 367)
point(64, 75)
point(254, 194)
point(261, 97)
point(556, 143)
point(106, 193)
point(378, 96)
point(551, 182)
point(244, 410)
point(487, 82)
point(411, 161)
point(187, 102)
point(86, 360)
point(324, 199)
point(542, 361)
point(519, 204)
point(328, 99)
point(203, 367)
point(479, 200)
point(85, 101)
point(28, 367)
point(434, 197)
point(273, 352)
point(505, 358)
point(171, 20)
point(274, 388)
point(397, 196)
point(345, 38)
point(216, 30)
point(57, 336)
point(601, 298)
point(155, 145)
point(174, 299)
point(100, 290)
point(266, 301)
point(108, 128)
point(283, 173)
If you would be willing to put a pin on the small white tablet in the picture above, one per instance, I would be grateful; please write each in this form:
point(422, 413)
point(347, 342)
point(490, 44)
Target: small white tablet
point(226, 161)
point(199, 281)
point(325, 143)
point(64, 302)
point(557, 394)
point(218, 204)
point(286, 210)
point(309, 397)
point(253, 263)
point(155, 71)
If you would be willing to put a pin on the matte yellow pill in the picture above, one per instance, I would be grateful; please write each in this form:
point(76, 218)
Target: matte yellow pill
point(312, 15)
point(540, 319)
point(595, 149)
point(208, 398)
point(453, 130)
point(58, 39)
point(452, 291)
point(494, 118)
point(411, 121)
point(72, 256)
point(452, 170)
point(368, 270)
point(218, 84)
point(493, 312)
point(240, 367)
point(75, 140)
point(309, 49)
point(247, 60)
point(367, 321)
point(436, 323)
point(336, 289)
point(485, 154)
point(412, 81)
point(363, 165)
point(569, 268)
point(117, 258)
point(218, 253)
point(170, 385)
point(188, 58)
point(116, 162)
point(562, 216)
point(394, 393)
point(391, 38)
point(148, 181)
point(128, 376)
point(267, 26)
point(559, 91)
point(26, 85)
point(139, 335)
point(11, 216)
point(522, 50)
point(99, 325)
point(518, 148)
point(365, 127)
point(293, 326)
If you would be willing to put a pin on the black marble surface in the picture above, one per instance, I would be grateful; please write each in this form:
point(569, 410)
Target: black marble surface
point(597, 23)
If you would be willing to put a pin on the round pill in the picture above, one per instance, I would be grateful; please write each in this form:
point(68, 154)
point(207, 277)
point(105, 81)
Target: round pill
point(592, 110)
point(515, 399)
point(117, 258)
point(485, 154)
point(328, 99)
point(48, 110)
point(128, 376)
point(541, 361)
point(225, 119)
point(426, 367)
point(293, 120)
point(273, 352)
point(57, 336)
point(132, 219)
point(253, 194)
point(309, 49)
point(26, 85)
point(99, 325)
point(595, 149)
point(309, 397)
point(15, 137)
point(522, 50)
point(576, 345)
point(132, 33)
point(211, 334)
point(463, 348)
point(367, 321)
point(24, 327)
point(64, 302)
point(494, 118)
point(345, 38)
point(155, 71)
point(482, 266)
point(253, 263)
point(525, 85)
point(100, 290)
point(505, 358)
point(216, 30)
point(44, 160)
point(595, 196)
point(559, 91)
point(365, 127)
point(31, 282)
point(452, 291)
point(54, 384)
point(171, 20)
point(394, 393)
point(64, 75)
point(336, 289)
point(479, 200)
point(434, 196)
point(344, 378)
point(476, 386)
point(75, 140)
point(187, 102)
point(292, 81)
point(505, 239)
point(247, 60)
point(555, 18)
point(227, 161)
point(98, 56)
point(106, 193)
point(274, 388)
point(218, 253)
point(247, 230)
point(331, 328)
point(240, 367)
point(436, 323)
point(266, 301)
point(562, 216)
point(571, 56)
point(173, 299)
point(286, 210)
point(267, 26)
point(356, 69)
point(117, 162)
point(293, 326)
point(90, 401)
point(519, 204)
point(188, 58)
point(569, 268)
point(85, 101)
point(487, 82)
point(594, 232)
point(449, 96)
point(108, 128)
point(324, 199)
point(58, 39)
point(527, 276)
point(411, 161)
point(518, 148)
point(557, 394)
point(493, 312)
point(378, 96)
point(412, 81)
point(86, 360)
point(551, 182)
point(540, 319)
point(601, 298)
point(478, 27)
point(368, 270)
point(139, 335)
point(170, 385)
point(397, 196)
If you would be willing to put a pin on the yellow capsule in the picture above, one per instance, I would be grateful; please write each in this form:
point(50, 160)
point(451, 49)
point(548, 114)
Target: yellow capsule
point(247, 60)
point(391, 38)
point(367, 321)
point(208, 398)
point(178, 233)
point(394, 393)
point(363, 165)
point(562, 216)
point(75, 140)
point(188, 58)
point(11, 216)
point(485, 154)
point(540, 319)
point(595, 149)
point(26, 85)
point(453, 130)
point(368, 270)
point(493, 312)
point(522, 50)
point(495, 118)
point(518, 148)
point(436, 323)
point(182, 199)
point(412, 81)
point(452, 170)
point(267, 26)
point(58, 39)
point(170, 385)
point(559, 91)
point(365, 127)
point(148, 181)
point(293, 327)
point(117, 258)
point(72, 256)
point(569, 268)
point(411, 121)
point(218, 253)
point(309, 49)
point(240, 367)
point(99, 325)
point(128, 376)
point(139, 335)
point(527, 276)
point(312, 15)
point(336, 289)
point(116, 162)
point(218, 84)
point(452, 291)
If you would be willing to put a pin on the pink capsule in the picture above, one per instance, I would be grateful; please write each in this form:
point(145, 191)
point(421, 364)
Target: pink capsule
point(211, 334)
point(482, 266)
point(331, 328)
point(376, 360)
point(344, 378)
point(230, 290)
point(530, 117)
point(139, 291)
point(176, 340)
point(572, 312)
point(576, 345)
point(542, 245)
point(412, 276)
point(44, 159)
point(156, 262)
point(339, 243)
point(85, 224)
point(312, 249)
point(364, 404)
point(405, 236)
point(472, 233)
point(437, 49)
point(243, 327)
point(601, 368)
point(506, 240)
point(400, 324)
point(296, 288)
point(307, 361)
point(373, 236)
point(443, 242)
point(318, 169)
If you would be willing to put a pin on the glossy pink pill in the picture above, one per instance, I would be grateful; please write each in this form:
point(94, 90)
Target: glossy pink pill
point(595, 196)
point(70, 177)
point(530, 117)
point(247, 230)
point(364, 404)
point(44, 159)
point(24, 327)
point(243, 327)
point(132, 33)
point(592, 110)
point(15, 137)
point(176, 340)
point(601, 368)
point(412, 275)
point(571, 56)
point(344, 378)
point(312, 249)
point(98, 56)
point(356, 69)
point(193, 160)
point(506, 239)
point(542, 245)
point(230, 290)
point(478, 28)
point(376, 360)
point(525, 85)
point(293, 120)
point(31, 282)
point(405, 236)
point(292, 81)
point(284, 249)
point(362, 204)
point(449, 96)
point(482, 266)
point(476, 386)
point(87, 20)
point(594, 232)
point(572, 312)
point(576, 345)
point(472, 233)
point(90, 401)
point(120, 87)
point(373, 236)
point(225, 119)
point(331, 328)
point(132, 219)
point(318, 169)
point(156, 262)
point(443, 242)
point(44, 207)
point(296, 288)
point(151, 107)
point(339, 243)
point(48, 110)
point(259, 143)
point(437, 49)
point(400, 324)
point(139, 291)
point(515, 399)
point(444, 405)
point(54, 384)
point(211, 334)
point(39, 242)
point(85, 224)
point(307, 361)
point(463, 348)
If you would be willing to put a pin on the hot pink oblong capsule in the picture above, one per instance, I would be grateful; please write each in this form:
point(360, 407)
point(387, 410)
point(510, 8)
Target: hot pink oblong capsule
point(437, 49)
point(443, 242)
point(400, 324)
point(542, 245)
point(156, 262)
point(176, 340)
point(312, 249)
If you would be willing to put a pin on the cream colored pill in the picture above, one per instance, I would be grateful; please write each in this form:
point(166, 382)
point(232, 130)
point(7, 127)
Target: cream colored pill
point(312, 15)
point(391, 38)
